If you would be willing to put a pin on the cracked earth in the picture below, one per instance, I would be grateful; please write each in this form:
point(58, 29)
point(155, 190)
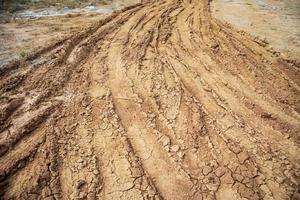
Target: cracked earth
point(156, 101)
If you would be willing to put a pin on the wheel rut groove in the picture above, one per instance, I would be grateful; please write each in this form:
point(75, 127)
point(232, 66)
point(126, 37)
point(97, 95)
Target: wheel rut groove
point(157, 101)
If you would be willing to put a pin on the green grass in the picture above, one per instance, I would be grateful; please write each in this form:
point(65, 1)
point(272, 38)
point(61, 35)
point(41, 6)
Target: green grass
point(23, 54)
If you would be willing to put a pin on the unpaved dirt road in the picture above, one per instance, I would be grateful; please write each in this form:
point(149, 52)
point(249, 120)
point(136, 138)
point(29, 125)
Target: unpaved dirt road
point(157, 101)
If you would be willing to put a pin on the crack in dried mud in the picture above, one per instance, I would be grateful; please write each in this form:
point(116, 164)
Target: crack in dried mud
point(157, 101)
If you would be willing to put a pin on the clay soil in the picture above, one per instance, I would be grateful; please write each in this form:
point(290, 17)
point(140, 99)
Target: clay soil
point(157, 101)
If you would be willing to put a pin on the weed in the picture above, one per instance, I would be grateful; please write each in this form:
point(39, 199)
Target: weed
point(23, 54)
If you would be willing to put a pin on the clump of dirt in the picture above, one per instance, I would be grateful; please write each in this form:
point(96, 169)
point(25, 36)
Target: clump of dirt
point(156, 101)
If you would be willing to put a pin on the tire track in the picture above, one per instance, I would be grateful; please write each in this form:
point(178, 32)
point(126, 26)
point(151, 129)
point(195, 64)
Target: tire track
point(157, 101)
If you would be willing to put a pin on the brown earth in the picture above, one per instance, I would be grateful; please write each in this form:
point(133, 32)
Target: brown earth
point(21, 37)
point(157, 101)
point(277, 22)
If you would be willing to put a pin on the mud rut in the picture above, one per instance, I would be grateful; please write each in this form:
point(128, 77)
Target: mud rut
point(157, 101)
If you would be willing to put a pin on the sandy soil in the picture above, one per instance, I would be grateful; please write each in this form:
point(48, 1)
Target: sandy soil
point(276, 22)
point(28, 31)
point(156, 101)
point(21, 37)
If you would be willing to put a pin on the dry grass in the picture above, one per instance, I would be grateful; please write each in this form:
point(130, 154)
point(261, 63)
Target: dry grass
point(16, 5)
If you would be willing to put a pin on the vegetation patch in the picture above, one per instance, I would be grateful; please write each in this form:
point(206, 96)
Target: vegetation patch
point(17, 5)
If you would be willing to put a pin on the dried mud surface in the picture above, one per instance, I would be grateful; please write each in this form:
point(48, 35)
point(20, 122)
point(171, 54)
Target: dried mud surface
point(157, 101)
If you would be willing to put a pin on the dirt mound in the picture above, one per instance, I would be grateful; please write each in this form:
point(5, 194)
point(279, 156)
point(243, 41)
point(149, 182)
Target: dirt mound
point(157, 101)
